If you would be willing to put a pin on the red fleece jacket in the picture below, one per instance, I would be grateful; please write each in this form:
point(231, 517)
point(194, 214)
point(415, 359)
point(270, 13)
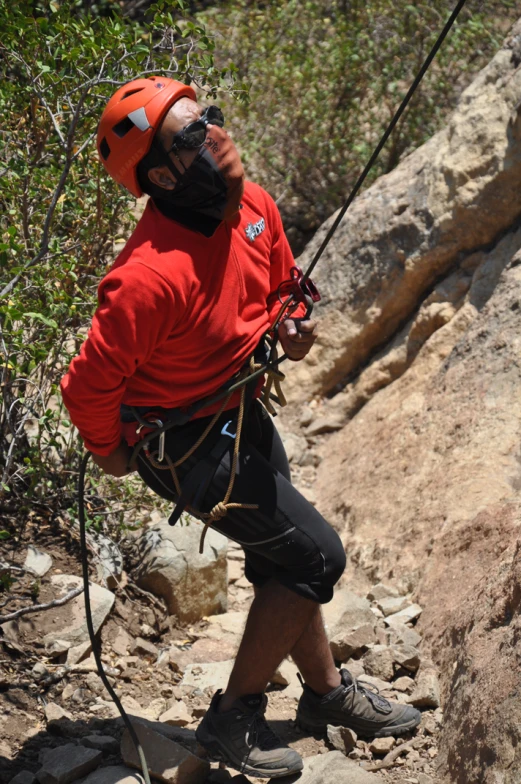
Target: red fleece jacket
point(178, 315)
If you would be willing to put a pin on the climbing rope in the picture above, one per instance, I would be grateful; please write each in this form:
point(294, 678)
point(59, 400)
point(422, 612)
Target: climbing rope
point(274, 377)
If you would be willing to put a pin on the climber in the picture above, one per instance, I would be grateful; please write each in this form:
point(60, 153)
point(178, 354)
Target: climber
point(184, 307)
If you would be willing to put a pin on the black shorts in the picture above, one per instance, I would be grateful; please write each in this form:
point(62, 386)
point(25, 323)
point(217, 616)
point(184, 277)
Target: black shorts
point(285, 538)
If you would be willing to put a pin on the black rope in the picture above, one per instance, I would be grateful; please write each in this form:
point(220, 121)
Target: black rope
point(90, 625)
point(383, 140)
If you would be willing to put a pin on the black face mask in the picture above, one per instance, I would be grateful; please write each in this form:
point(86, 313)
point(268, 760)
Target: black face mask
point(213, 184)
point(201, 188)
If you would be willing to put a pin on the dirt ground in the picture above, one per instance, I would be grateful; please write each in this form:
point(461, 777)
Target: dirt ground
point(31, 680)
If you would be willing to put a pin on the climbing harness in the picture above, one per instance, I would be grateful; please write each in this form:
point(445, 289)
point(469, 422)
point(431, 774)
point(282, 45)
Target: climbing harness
point(298, 289)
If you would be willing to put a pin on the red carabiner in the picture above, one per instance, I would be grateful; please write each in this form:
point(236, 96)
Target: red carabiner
point(300, 290)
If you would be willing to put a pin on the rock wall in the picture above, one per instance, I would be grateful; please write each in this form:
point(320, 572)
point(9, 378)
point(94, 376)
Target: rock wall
point(451, 198)
point(422, 316)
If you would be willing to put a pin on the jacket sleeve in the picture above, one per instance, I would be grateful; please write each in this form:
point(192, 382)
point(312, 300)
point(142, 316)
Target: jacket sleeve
point(135, 314)
point(281, 261)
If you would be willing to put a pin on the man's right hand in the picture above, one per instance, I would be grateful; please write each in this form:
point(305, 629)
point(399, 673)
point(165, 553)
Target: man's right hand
point(116, 464)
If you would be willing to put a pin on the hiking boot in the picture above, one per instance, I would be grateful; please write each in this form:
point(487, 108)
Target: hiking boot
point(356, 705)
point(242, 739)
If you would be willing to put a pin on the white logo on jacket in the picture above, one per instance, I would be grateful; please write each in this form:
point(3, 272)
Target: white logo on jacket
point(253, 230)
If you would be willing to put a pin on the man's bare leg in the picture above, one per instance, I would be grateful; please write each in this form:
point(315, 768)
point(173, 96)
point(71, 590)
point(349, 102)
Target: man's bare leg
point(312, 655)
point(281, 622)
point(276, 621)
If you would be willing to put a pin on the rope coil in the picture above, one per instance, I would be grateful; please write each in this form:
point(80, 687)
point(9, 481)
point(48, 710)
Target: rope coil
point(220, 510)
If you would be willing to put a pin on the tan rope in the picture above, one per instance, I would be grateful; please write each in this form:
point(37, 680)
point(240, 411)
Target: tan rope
point(273, 379)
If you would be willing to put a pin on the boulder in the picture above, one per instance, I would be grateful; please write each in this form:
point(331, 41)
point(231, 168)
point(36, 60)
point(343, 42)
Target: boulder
point(67, 763)
point(404, 684)
point(71, 625)
point(379, 662)
point(381, 591)
point(287, 676)
point(192, 585)
point(341, 738)
point(410, 613)
point(210, 650)
point(114, 774)
point(37, 562)
point(167, 760)
point(213, 675)
point(24, 777)
point(347, 611)
point(406, 656)
point(403, 635)
point(144, 649)
point(54, 714)
point(179, 734)
point(177, 715)
point(382, 746)
point(109, 561)
point(77, 653)
point(334, 766)
point(105, 743)
point(426, 693)
point(390, 605)
point(346, 644)
point(122, 642)
point(227, 627)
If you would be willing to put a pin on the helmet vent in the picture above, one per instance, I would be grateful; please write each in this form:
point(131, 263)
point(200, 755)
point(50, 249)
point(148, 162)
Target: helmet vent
point(104, 149)
point(123, 127)
point(131, 92)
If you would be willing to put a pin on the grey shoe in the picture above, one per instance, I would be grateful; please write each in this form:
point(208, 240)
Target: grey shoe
point(358, 706)
point(242, 738)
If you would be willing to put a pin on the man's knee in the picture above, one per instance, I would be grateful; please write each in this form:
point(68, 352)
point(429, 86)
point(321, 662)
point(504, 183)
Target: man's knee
point(317, 580)
point(335, 560)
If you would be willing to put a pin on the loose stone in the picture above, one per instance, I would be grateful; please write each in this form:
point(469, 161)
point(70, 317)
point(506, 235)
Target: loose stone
point(382, 745)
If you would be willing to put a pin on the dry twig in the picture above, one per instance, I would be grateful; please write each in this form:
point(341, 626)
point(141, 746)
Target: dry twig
point(389, 759)
point(39, 607)
point(147, 595)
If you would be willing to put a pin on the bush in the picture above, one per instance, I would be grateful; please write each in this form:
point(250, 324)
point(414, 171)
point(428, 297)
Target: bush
point(326, 77)
point(61, 213)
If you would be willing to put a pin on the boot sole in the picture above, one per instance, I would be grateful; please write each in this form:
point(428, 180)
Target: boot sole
point(384, 732)
point(218, 753)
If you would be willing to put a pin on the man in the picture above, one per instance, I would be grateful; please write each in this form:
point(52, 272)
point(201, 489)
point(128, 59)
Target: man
point(182, 310)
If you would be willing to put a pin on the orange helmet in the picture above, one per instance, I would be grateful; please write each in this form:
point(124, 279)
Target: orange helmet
point(129, 122)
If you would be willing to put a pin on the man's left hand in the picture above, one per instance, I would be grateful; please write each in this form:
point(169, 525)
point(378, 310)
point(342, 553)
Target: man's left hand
point(296, 339)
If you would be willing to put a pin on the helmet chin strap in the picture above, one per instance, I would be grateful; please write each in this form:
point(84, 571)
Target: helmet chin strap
point(180, 176)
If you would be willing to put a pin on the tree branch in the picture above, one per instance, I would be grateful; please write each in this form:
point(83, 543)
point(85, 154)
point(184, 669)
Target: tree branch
point(389, 759)
point(40, 607)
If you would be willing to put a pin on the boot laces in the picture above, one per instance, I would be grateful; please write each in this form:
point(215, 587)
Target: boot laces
point(260, 733)
point(371, 692)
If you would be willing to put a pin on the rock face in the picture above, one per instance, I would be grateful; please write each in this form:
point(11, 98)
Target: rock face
point(442, 205)
point(423, 480)
point(191, 584)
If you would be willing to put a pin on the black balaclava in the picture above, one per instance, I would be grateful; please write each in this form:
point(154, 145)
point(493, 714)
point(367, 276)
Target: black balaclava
point(209, 190)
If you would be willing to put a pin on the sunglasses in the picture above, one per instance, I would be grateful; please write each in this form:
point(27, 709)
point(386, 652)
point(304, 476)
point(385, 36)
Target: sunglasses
point(194, 134)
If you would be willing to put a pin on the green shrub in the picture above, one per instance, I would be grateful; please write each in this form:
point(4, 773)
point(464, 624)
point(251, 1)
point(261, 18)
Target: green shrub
point(326, 77)
point(60, 212)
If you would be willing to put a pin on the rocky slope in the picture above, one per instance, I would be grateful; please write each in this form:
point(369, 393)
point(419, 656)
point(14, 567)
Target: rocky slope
point(420, 357)
point(59, 726)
